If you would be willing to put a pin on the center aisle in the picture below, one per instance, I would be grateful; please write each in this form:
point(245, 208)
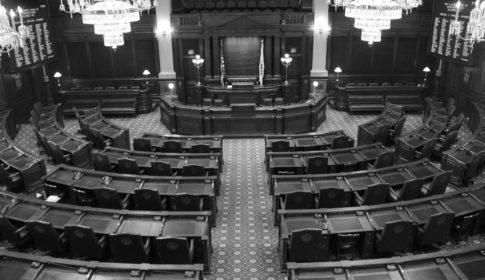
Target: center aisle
point(244, 240)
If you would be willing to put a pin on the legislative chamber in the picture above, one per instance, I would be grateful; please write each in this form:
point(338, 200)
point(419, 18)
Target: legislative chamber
point(242, 139)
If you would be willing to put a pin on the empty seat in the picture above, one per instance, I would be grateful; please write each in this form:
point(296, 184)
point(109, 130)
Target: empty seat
point(200, 149)
point(101, 162)
point(374, 194)
point(15, 235)
point(401, 231)
point(171, 146)
point(410, 190)
point(427, 149)
point(331, 198)
point(438, 185)
point(186, 202)
point(57, 155)
point(175, 250)
point(84, 243)
point(109, 198)
point(307, 245)
point(436, 230)
point(142, 144)
point(297, 200)
point(280, 146)
point(193, 170)
point(317, 165)
point(46, 238)
point(384, 160)
point(129, 248)
point(341, 142)
point(149, 200)
point(160, 168)
point(12, 180)
point(128, 166)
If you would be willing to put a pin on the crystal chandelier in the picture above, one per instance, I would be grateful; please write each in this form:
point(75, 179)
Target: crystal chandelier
point(475, 31)
point(10, 38)
point(373, 16)
point(111, 18)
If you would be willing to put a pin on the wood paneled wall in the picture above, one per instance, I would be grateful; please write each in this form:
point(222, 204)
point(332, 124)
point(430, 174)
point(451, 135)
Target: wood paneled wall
point(464, 83)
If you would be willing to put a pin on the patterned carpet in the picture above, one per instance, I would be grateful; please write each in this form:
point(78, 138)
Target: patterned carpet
point(245, 241)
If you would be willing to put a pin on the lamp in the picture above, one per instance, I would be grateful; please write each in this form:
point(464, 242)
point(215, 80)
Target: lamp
point(338, 70)
point(170, 87)
point(426, 71)
point(286, 60)
point(315, 86)
point(198, 62)
point(58, 76)
point(146, 73)
point(164, 31)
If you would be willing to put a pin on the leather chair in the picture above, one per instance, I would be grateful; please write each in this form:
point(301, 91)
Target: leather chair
point(297, 200)
point(307, 245)
point(160, 168)
point(18, 236)
point(200, 149)
point(149, 200)
point(84, 243)
point(331, 198)
point(436, 230)
point(438, 185)
point(385, 159)
point(142, 144)
point(46, 238)
point(186, 202)
point(193, 170)
point(129, 248)
point(175, 250)
point(171, 146)
point(109, 198)
point(374, 194)
point(402, 231)
point(128, 166)
point(410, 190)
point(280, 146)
point(317, 165)
point(101, 162)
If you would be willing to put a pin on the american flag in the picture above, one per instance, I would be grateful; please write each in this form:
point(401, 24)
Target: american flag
point(261, 64)
point(223, 66)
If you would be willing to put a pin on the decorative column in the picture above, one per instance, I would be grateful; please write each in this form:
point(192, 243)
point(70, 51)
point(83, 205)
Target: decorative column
point(319, 63)
point(164, 37)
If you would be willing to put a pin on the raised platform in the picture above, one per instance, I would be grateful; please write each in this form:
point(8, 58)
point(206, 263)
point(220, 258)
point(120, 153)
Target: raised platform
point(243, 121)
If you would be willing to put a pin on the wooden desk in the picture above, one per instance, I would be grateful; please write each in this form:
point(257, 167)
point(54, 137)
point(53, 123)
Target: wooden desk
point(242, 94)
point(373, 98)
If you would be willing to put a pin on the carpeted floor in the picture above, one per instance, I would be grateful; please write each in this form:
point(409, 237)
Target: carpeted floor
point(245, 241)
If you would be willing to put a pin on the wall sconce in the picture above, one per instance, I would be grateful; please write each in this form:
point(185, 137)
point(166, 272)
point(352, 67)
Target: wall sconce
point(58, 76)
point(321, 27)
point(426, 71)
point(146, 73)
point(286, 60)
point(338, 70)
point(198, 62)
point(164, 31)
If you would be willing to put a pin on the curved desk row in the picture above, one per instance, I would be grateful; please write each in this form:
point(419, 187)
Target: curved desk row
point(19, 210)
point(93, 124)
point(243, 119)
point(61, 145)
point(464, 263)
point(466, 206)
point(468, 160)
point(14, 265)
point(355, 181)
point(22, 169)
point(65, 180)
point(373, 98)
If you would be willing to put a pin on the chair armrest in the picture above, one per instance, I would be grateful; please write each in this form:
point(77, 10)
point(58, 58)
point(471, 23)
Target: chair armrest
point(147, 246)
point(126, 201)
point(282, 203)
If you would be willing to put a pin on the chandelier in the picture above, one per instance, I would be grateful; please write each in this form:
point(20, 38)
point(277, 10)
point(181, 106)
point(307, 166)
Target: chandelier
point(111, 18)
point(373, 16)
point(475, 31)
point(10, 38)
